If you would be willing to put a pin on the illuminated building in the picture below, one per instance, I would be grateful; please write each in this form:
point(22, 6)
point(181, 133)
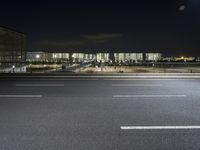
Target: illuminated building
point(123, 57)
point(102, 57)
point(153, 56)
point(99, 57)
point(184, 58)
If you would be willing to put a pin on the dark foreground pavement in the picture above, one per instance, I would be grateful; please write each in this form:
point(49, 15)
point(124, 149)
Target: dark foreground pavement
point(87, 114)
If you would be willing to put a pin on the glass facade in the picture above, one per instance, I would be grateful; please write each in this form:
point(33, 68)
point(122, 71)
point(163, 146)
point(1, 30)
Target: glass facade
point(12, 47)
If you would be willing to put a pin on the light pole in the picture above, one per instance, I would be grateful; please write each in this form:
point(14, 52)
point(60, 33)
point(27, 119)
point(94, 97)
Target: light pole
point(13, 67)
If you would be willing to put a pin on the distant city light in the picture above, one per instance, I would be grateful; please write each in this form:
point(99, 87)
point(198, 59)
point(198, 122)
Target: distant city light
point(182, 7)
point(37, 56)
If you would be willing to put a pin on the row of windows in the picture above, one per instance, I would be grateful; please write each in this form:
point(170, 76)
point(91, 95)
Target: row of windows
point(100, 57)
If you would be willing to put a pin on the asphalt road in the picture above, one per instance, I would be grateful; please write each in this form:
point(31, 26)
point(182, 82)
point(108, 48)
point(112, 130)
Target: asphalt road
point(95, 114)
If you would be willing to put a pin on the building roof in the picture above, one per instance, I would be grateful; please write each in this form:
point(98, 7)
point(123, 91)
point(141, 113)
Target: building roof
point(94, 51)
point(1, 26)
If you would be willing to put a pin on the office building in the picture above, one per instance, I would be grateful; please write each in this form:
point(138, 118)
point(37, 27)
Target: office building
point(98, 57)
point(128, 57)
point(153, 56)
point(12, 47)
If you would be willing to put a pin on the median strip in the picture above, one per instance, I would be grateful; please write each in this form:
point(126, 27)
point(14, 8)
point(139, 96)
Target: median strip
point(158, 127)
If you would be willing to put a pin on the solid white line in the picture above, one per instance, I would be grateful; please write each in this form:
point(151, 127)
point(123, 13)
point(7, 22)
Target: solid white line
point(118, 77)
point(149, 79)
point(20, 96)
point(99, 79)
point(48, 85)
point(147, 96)
point(158, 127)
point(136, 85)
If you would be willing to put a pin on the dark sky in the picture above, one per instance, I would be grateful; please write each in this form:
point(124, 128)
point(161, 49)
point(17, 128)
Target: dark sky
point(168, 26)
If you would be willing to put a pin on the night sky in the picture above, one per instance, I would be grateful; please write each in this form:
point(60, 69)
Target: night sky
point(168, 26)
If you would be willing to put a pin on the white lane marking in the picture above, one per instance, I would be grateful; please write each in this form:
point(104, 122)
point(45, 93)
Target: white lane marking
point(47, 85)
point(158, 127)
point(135, 85)
point(150, 79)
point(147, 96)
point(20, 96)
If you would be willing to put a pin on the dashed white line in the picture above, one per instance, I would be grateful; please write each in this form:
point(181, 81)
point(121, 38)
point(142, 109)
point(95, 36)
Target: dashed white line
point(20, 96)
point(147, 96)
point(136, 85)
point(40, 85)
point(158, 127)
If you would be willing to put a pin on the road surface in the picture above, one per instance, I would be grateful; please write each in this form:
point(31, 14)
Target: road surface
point(100, 114)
